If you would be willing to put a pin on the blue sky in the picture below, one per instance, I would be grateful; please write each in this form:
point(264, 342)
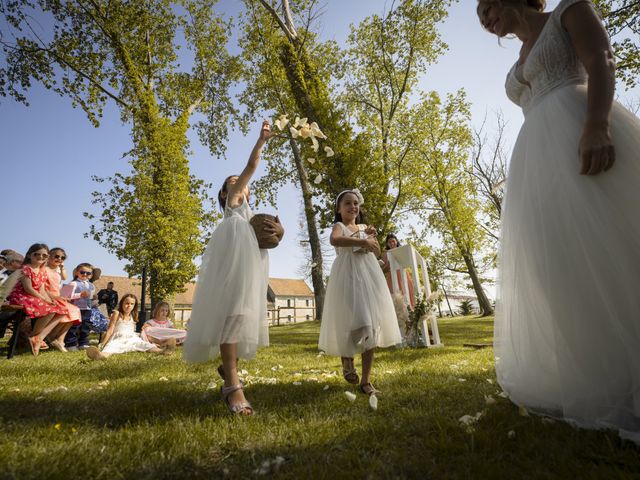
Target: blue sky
point(49, 151)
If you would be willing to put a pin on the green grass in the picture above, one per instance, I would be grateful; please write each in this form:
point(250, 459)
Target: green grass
point(145, 416)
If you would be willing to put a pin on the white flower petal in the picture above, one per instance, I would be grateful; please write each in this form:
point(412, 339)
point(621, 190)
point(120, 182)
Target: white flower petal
point(503, 395)
point(311, 160)
point(297, 383)
point(511, 434)
point(315, 130)
point(316, 145)
point(326, 387)
point(329, 151)
point(212, 386)
point(373, 402)
point(318, 179)
point(294, 132)
point(350, 396)
point(462, 380)
point(523, 412)
point(163, 379)
point(489, 400)
point(490, 381)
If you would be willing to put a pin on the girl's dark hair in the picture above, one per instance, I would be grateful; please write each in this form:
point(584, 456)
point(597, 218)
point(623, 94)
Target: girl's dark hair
point(389, 237)
point(338, 218)
point(134, 312)
point(158, 306)
point(79, 266)
point(57, 249)
point(33, 248)
point(223, 200)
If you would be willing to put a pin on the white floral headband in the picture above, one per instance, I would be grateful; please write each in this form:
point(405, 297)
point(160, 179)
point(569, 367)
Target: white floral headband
point(355, 191)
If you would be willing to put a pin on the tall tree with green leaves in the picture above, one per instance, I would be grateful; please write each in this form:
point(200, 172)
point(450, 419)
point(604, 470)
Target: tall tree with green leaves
point(440, 164)
point(622, 21)
point(127, 52)
point(387, 54)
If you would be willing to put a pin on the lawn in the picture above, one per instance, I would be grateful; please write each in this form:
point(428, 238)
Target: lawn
point(145, 416)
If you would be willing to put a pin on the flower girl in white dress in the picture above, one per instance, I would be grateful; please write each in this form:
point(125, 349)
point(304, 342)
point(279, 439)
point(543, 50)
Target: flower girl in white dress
point(229, 313)
point(121, 336)
point(358, 311)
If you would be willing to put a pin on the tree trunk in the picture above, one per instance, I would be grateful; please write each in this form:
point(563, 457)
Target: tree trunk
point(483, 301)
point(314, 238)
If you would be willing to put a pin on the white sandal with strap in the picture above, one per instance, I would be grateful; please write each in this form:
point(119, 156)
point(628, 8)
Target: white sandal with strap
point(243, 408)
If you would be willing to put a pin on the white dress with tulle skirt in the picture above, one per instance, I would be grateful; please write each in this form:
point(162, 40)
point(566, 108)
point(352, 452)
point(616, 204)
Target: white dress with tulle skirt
point(358, 312)
point(567, 328)
point(125, 339)
point(230, 302)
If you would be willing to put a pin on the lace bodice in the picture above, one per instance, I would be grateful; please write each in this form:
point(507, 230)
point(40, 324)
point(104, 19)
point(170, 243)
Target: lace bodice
point(551, 63)
point(243, 210)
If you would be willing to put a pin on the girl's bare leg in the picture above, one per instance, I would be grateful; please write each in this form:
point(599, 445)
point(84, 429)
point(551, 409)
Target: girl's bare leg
point(228, 351)
point(367, 363)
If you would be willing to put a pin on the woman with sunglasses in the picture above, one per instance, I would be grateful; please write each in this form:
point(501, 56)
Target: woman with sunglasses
point(30, 292)
point(56, 274)
point(80, 291)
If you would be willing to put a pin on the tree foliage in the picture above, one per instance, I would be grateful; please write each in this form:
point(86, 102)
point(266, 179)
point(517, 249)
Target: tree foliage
point(622, 21)
point(97, 51)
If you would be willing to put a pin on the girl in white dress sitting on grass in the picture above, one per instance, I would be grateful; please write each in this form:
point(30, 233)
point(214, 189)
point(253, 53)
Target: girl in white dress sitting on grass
point(121, 336)
point(358, 311)
point(160, 330)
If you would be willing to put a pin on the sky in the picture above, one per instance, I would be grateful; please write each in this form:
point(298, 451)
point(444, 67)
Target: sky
point(49, 150)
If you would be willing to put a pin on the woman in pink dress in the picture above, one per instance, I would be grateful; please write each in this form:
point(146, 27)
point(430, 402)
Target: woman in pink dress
point(56, 275)
point(159, 329)
point(30, 292)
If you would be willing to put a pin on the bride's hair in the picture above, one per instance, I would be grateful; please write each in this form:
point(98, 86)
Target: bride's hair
point(538, 5)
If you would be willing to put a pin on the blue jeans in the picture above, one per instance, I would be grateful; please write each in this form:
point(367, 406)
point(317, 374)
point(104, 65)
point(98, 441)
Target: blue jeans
point(78, 335)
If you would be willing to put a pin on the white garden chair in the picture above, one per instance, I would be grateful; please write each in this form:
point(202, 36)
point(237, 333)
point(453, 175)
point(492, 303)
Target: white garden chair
point(400, 259)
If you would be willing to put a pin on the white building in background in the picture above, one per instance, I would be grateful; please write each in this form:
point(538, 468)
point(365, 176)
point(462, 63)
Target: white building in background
point(289, 301)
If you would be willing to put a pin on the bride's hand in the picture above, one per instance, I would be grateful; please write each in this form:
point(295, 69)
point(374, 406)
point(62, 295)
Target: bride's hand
point(597, 153)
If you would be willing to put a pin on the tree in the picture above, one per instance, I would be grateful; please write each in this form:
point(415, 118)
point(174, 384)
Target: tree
point(440, 165)
point(386, 56)
point(622, 21)
point(99, 51)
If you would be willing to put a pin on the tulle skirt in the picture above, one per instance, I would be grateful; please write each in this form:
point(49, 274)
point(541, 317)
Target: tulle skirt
point(230, 302)
point(567, 331)
point(358, 310)
point(163, 333)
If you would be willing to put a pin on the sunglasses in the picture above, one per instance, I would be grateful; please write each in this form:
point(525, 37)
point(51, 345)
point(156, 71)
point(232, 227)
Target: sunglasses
point(59, 257)
point(40, 255)
point(84, 273)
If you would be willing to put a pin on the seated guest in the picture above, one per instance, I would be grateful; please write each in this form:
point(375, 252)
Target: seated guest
point(159, 329)
point(30, 292)
point(13, 262)
point(56, 273)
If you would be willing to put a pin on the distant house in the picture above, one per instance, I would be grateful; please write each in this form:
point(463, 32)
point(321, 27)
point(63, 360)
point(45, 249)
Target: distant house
point(290, 300)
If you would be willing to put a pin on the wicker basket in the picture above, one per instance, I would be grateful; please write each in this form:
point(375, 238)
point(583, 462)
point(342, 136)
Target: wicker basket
point(265, 240)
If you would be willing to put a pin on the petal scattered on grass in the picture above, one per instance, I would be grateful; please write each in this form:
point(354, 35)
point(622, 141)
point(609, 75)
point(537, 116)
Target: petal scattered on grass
point(548, 421)
point(462, 380)
point(523, 412)
point(373, 402)
point(511, 434)
point(297, 383)
point(325, 388)
point(470, 419)
point(489, 400)
point(163, 379)
point(503, 395)
point(57, 426)
point(489, 380)
point(350, 396)
point(212, 386)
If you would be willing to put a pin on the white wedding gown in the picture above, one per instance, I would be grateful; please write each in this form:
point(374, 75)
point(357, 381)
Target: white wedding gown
point(567, 330)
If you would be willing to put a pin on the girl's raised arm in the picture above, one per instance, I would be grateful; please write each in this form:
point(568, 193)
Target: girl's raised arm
point(252, 164)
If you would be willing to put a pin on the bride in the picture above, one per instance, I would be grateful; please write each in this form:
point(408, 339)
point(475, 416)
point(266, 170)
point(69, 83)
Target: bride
point(567, 332)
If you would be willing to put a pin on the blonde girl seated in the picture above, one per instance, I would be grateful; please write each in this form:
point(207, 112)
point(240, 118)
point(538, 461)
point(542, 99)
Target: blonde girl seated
point(160, 331)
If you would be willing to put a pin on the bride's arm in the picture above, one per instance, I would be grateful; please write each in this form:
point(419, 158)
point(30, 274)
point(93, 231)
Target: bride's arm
point(592, 46)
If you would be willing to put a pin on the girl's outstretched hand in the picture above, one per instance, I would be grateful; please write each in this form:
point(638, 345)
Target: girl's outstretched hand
point(373, 246)
point(265, 132)
point(371, 230)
